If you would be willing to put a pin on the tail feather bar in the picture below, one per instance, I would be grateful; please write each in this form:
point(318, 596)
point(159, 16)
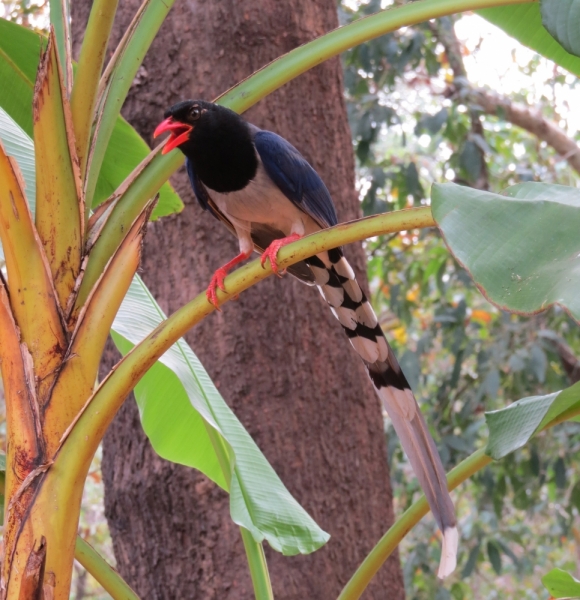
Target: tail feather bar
point(336, 282)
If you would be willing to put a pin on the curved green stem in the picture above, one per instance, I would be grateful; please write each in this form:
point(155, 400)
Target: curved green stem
point(117, 80)
point(88, 73)
point(258, 567)
point(102, 571)
point(298, 61)
point(392, 538)
point(244, 95)
point(133, 366)
point(73, 460)
point(150, 178)
point(60, 20)
point(387, 544)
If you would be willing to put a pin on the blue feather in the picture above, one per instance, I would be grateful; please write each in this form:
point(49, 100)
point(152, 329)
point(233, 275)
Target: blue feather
point(201, 193)
point(297, 180)
point(198, 187)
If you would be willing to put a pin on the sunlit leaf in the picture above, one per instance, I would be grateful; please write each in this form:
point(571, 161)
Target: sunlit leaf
point(481, 315)
point(562, 19)
point(524, 22)
point(175, 398)
point(19, 56)
point(510, 428)
point(19, 145)
point(521, 248)
point(561, 584)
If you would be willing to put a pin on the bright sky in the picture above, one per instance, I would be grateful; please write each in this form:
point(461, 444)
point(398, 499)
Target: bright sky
point(495, 60)
point(40, 20)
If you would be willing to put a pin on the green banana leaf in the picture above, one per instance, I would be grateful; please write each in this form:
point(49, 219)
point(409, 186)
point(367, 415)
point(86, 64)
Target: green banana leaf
point(19, 55)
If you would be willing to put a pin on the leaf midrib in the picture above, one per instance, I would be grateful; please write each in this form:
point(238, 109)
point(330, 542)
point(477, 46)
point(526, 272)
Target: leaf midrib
point(16, 68)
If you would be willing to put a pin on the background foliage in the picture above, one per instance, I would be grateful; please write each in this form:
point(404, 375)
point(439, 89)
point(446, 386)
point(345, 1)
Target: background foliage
point(414, 122)
point(411, 127)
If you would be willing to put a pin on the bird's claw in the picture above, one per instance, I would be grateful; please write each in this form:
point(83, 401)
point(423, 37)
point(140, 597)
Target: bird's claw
point(217, 281)
point(271, 252)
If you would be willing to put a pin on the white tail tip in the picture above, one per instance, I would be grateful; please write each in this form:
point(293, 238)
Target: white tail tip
point(448, 552)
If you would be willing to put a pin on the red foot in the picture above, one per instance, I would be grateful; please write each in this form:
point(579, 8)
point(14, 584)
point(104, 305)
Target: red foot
point(217, 280)
point(272, 251)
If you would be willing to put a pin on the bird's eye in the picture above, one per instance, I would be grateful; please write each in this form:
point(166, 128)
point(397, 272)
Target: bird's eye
point(194, 113)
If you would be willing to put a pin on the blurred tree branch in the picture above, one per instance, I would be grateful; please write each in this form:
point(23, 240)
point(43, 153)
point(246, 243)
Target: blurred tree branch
point(480, 101)
point(444, 30)
point(568, 359)
point(531, 120)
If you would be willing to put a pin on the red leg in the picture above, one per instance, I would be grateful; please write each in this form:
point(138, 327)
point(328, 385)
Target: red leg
point(217, 280)
point(272, 250)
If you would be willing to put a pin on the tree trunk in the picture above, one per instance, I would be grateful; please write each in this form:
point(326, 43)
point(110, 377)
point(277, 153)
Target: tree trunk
point(277, 355)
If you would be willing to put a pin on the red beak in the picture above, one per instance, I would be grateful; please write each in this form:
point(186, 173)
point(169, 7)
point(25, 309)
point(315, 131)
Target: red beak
point(179, 133)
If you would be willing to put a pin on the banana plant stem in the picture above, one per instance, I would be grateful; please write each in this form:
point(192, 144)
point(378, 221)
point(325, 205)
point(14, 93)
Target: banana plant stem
point(279, 72)
point(254, 550)
point(88, 73)
point(79, 444)
point(387, 544)
point(60, 20)
point(392, 538)
point(102, 571)
point(258, 567)
point(119, 76)
point(296, 62)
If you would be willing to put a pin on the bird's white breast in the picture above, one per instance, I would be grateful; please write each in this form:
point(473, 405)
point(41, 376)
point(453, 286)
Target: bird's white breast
point(261, 201)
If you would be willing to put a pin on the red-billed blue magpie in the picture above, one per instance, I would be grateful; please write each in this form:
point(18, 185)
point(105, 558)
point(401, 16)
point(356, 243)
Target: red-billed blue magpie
point(266, 193)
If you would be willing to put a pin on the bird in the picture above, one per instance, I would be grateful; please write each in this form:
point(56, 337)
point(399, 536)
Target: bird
point(266, 193)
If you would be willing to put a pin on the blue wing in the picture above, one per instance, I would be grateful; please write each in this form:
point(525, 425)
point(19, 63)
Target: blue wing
point(198, 187)
point(298, 181)
point(202, 196)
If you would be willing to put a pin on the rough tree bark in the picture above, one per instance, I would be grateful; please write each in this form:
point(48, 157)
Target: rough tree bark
point(277, 355)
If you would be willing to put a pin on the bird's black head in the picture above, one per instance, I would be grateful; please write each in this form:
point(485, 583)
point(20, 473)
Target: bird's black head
point(180, 121)
point(216, 140)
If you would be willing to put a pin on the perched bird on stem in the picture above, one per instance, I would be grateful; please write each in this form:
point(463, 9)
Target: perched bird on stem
point(265, 192)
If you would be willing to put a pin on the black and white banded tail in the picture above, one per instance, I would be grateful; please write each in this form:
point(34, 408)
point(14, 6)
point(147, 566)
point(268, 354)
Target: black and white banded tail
point(337, 284)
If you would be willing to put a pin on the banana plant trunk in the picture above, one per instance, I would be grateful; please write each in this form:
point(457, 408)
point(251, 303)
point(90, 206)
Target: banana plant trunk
point(49, 354)
point(277, 355)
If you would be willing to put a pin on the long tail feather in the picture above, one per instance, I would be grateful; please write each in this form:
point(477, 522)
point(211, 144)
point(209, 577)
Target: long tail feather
point(336, 282)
